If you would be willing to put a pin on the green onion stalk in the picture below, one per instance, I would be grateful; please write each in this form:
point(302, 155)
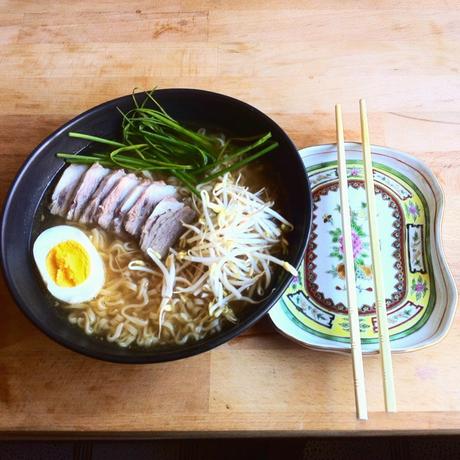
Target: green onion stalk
point(154, 141)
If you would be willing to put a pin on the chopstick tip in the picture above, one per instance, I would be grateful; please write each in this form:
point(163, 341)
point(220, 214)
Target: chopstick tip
point(338, 111)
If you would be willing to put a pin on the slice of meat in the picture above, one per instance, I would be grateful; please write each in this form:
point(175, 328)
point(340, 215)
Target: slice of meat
point(65, 188)
point(108, 206)
point(104, 188)
point(83, 193)
point(144, 206)
point(166, 205)
point(126, 205)
point(161, 231)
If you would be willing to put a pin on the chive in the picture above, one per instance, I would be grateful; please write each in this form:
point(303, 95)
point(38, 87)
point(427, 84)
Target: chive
point(175, 142)
point(126, 148)
point(240, 164)
point(149, 96)
point(152, 140)
point(72, 158)
point(169, 122)
point(238, 153)
point(95, 139)
point(185, 179)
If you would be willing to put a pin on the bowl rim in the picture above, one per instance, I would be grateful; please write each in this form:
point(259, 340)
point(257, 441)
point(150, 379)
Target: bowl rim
point(168, 354)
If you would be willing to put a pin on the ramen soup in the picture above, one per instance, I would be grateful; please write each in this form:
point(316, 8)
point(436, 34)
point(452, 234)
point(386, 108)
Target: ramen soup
point(161, 242)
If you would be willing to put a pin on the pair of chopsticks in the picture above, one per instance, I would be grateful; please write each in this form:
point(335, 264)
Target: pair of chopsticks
point(355, 335)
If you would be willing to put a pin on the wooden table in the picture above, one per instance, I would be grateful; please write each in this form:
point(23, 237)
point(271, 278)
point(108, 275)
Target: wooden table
point(58, 59)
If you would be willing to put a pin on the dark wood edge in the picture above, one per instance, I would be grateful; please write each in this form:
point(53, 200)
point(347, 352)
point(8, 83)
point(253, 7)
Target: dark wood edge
point(145, 435)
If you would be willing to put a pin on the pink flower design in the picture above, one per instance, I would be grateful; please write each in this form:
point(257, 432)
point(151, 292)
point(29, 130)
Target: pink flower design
point(357, 244)
point(354, 172)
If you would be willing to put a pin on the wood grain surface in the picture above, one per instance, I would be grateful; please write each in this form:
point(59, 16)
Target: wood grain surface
point(293, 60)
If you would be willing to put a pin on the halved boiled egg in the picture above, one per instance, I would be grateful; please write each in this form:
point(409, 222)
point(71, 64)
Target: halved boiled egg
point(69, 264)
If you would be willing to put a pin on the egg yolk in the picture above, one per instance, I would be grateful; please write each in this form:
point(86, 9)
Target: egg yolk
point(68, 264)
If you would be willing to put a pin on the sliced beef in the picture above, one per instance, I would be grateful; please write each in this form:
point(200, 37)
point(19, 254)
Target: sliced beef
point(112, 201)
point(126, 205)
point(65, 188)
point(165, 225)
point(144, 206)
point(104, 188)
point(84, 191)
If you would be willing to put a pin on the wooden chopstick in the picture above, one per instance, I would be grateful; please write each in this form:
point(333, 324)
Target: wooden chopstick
point(355, 334)
point(384, 337)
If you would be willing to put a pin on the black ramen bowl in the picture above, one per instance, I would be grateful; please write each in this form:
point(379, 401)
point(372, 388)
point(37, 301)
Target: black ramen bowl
point(285, 173)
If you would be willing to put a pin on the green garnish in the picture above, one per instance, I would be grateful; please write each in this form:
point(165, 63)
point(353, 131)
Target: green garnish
point(153, 141)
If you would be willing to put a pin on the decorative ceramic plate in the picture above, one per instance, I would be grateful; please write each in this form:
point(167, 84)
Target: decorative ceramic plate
point(420, 292)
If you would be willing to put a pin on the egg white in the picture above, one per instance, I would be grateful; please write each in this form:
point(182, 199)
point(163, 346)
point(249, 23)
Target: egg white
point(96, 277)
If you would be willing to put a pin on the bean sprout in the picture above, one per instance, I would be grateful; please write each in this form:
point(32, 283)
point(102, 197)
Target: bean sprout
point(234, 239)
